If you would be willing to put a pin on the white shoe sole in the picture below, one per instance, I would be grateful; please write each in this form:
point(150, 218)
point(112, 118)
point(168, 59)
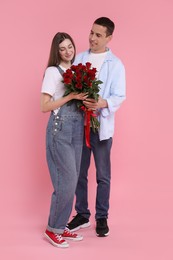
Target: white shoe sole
point(74, 239)
point(88, 224)
point(64, 245)
point(105, 235)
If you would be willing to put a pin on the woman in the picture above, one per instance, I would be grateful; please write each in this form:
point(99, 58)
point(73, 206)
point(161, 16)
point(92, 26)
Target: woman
point(64, 138)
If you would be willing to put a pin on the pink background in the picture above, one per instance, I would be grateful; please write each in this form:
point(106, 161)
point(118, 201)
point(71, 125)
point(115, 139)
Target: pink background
point(141, 213)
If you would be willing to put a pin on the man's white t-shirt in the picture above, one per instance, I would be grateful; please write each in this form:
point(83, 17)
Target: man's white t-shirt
point(97, 59)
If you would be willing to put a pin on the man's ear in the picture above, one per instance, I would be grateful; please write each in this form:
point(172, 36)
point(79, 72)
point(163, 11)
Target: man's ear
point(109, 38)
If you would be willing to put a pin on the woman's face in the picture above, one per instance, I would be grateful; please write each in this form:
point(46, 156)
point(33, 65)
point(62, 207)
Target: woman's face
point(66, 50)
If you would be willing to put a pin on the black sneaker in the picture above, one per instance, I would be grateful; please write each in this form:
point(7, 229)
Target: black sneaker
point(102, 229)
point(78, 222)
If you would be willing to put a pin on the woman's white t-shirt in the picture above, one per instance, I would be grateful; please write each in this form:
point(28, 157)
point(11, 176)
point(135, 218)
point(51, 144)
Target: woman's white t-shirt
point(52, 84)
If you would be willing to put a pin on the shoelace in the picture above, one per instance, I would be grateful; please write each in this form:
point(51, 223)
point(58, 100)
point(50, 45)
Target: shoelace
point(59, 237)
point(68, 232)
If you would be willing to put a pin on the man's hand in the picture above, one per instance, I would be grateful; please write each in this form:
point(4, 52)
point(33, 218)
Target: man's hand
point(92, 104)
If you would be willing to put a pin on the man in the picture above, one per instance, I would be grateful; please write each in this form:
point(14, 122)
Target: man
point(111, 72)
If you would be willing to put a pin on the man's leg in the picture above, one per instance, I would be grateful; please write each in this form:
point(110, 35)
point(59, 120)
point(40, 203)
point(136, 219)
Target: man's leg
point(81, 220)
point(81, 205)
point(101, 151)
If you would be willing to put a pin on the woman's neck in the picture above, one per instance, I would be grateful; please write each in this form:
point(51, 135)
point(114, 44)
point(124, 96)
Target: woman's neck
point(65, 65)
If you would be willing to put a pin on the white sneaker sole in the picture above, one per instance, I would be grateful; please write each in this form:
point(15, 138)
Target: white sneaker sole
point(64, 245)
point(74, 239)
point(88, 224)
point(105, 235)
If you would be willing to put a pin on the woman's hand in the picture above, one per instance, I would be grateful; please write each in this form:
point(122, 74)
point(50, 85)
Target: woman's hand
point(79, 96)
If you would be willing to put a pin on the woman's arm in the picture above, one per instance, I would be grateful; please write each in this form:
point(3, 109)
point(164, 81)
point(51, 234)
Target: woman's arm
point(48, 105)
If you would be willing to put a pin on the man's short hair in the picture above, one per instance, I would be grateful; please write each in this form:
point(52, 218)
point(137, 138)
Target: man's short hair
point(104, 21)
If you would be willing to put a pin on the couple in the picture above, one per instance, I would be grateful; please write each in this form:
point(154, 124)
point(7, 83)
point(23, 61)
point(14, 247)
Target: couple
point(68, 157)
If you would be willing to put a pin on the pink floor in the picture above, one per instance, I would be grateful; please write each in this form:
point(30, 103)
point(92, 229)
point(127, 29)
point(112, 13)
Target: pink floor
point(134, 235)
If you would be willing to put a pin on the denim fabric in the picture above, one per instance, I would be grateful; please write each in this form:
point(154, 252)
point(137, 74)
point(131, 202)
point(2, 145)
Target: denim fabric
point(64, 141)
point(101, 151)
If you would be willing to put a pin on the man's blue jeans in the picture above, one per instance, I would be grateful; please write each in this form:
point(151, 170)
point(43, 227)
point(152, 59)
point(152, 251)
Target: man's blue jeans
point(64, 141)
point(101, 151)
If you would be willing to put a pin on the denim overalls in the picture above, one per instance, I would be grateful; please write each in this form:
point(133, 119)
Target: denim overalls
point(64, 141)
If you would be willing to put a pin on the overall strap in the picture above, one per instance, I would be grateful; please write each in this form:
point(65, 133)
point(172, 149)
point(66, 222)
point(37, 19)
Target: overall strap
point(60, 70)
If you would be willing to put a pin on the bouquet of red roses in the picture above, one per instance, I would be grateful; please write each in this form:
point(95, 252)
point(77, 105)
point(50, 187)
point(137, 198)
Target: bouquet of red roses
point(82, 79)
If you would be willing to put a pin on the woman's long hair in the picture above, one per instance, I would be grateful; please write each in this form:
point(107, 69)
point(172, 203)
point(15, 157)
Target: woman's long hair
point(54, 56)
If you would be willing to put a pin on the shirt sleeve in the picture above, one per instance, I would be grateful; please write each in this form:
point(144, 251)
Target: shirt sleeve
point(50, 81)
point(117, 90)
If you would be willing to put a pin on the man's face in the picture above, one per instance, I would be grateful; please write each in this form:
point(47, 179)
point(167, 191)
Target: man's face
point(98, 39)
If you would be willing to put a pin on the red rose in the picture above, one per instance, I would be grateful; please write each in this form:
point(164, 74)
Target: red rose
point(88, 65)
point(78, 85)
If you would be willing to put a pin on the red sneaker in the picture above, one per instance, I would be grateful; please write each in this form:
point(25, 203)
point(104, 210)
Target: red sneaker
point(56, 239)
point(70, 235)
